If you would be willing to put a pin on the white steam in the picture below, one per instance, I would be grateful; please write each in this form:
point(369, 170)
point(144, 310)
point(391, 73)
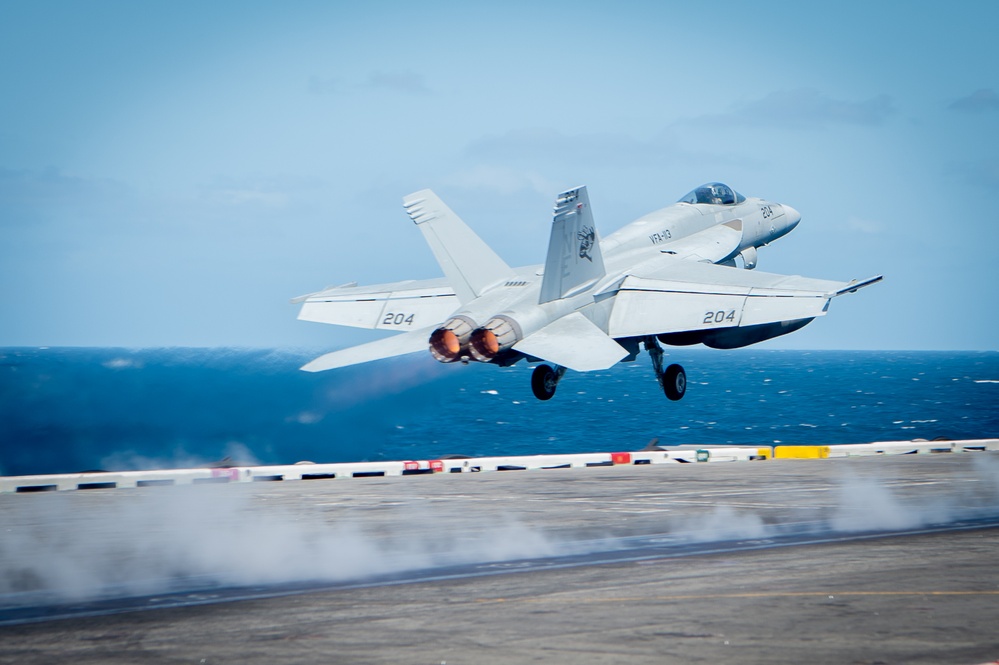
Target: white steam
point(722, 523)
point(867, 505)
point(235, 453)
point(94, 544)
point(157, 540)
point(860, 504)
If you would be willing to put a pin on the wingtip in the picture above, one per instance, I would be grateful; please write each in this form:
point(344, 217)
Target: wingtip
point(856, 285)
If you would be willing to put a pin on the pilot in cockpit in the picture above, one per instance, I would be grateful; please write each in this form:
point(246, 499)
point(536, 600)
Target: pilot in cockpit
point(714, 193)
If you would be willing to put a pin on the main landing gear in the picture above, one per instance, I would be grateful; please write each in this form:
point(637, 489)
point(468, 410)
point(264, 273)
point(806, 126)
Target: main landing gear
point(544, 380)
point(673, 380)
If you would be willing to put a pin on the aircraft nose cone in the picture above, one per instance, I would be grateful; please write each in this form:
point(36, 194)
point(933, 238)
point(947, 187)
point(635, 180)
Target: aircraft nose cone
point(791, 217)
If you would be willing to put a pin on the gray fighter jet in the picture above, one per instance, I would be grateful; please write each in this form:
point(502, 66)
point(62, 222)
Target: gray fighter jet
point(681, 275)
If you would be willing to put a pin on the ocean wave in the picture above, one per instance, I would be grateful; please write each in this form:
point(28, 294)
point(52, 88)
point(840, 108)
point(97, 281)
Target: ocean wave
point(66, 410)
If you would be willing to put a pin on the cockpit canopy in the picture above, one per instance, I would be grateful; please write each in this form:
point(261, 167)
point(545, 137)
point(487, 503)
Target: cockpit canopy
point(714, 193)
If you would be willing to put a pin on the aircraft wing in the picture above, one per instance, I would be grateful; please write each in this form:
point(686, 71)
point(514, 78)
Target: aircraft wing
point(401, 306)
point(682, 296)
point(389, 347)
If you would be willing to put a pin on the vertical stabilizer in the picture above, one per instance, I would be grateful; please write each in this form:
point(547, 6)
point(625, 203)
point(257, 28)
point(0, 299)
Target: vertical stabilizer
point(468, 262)
point(574, 257)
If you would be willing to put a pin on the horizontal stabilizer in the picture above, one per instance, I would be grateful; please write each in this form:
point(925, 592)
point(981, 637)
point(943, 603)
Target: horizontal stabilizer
point(575, 342)
point(400, 306)
point(397, 345)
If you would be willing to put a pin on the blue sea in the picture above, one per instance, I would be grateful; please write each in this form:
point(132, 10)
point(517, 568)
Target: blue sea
point(77, 409)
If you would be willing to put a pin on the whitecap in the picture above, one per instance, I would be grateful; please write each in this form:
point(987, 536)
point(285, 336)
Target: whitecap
point(307, 418)
point(121, 363)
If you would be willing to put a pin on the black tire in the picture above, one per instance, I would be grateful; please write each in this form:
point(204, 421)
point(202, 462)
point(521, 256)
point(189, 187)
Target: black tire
point(675, 382)
point(543, 382)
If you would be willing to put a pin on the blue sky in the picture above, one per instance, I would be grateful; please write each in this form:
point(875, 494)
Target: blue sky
point(172, 173)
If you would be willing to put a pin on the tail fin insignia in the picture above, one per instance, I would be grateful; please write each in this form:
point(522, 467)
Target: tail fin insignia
point(574, 257)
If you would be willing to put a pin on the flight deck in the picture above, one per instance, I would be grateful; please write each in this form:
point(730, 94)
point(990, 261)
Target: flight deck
point(879, 558)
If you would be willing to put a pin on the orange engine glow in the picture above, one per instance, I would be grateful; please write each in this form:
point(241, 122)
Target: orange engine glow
point(484, 345)
point(444, 345)
point(488, 343)
point(450, 342)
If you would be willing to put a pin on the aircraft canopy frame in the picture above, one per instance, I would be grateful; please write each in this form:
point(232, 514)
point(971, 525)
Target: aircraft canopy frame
point(713, 193)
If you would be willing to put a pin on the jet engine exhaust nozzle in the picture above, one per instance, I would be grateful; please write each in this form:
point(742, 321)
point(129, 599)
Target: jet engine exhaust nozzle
point(499, 334)
point(450, 342)
point(444, 345)
point(484, 346)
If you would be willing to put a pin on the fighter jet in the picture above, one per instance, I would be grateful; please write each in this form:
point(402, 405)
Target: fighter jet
point(678, 276)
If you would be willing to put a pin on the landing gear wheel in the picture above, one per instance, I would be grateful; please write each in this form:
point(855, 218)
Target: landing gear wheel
point(544, 381)
point(674, 382)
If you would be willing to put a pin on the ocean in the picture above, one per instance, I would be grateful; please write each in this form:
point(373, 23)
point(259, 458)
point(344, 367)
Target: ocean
point(81, 409)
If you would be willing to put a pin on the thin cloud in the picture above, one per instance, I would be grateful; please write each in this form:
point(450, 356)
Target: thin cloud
point(536, 144)
point(407, 82)
point(803, 109)
point(269, 192)
point(33, 196)
point(502, 180)
point(980, 101)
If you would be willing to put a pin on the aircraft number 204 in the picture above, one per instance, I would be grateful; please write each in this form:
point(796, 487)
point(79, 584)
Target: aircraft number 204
point(397, 319)
point(721, 316)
